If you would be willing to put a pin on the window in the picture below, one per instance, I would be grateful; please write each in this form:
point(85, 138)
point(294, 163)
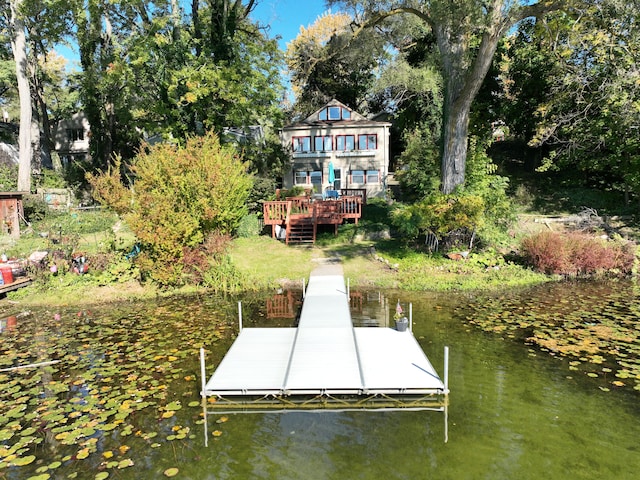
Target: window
point(75, 134)
point(334, 113)
point(324, 143)
point(301, 144)
point(357, 176)
point(301, 177)
point(362, 176)
point(316, 181)
point(367, 141)
point(345, 142)
point(373, 176)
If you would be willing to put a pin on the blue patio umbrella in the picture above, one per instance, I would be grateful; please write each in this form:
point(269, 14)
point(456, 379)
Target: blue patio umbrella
point(332, 174)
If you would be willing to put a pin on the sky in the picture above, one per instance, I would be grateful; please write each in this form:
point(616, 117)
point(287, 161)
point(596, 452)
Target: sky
point(285, 17)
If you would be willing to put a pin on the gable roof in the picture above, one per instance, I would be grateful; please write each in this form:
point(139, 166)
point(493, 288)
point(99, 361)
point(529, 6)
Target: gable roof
point(315, 119)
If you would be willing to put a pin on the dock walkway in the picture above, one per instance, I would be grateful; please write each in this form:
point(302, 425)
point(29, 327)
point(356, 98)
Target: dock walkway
point(326, 358)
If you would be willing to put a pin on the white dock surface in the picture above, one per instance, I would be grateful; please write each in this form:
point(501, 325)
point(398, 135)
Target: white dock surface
point(325, 354)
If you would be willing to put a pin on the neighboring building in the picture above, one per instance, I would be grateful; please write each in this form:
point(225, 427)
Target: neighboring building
point(357, 148)
point(72, 138)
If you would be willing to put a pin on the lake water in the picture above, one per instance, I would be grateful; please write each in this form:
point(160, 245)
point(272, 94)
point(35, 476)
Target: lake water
point(123, 402)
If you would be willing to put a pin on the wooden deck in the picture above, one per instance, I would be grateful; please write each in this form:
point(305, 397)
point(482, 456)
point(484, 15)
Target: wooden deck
point(16, 284)
point(299, 217)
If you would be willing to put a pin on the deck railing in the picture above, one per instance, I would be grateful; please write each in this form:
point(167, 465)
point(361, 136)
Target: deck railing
point(275, 212)
point(355, 192)
point(351, 207)
point(323, 212)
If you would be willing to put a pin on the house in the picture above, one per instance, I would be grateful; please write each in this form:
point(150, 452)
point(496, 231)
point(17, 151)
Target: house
point(337, 148)
point(72, 138)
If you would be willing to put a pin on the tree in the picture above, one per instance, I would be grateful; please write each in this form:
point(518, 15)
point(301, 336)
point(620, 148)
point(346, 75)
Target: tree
point(589, 111)
point(325, 63)
point(467, 33)
point(19, 47)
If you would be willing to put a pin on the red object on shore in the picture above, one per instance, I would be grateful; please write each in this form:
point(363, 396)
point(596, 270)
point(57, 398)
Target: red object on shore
point(7, 274)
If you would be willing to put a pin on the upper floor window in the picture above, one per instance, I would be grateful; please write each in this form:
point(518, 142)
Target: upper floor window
point(345, 142)
point(334, 113)
point(367, 141)
point(75, 134)
point(301, 144)
point(323, 143)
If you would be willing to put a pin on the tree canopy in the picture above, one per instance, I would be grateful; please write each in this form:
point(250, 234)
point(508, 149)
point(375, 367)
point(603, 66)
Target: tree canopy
point(466, 34)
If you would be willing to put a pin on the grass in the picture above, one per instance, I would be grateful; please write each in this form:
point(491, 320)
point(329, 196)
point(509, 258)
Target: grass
point(268, 263)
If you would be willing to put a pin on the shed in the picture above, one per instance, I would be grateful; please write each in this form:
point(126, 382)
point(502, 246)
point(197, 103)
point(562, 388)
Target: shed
point(11, 210)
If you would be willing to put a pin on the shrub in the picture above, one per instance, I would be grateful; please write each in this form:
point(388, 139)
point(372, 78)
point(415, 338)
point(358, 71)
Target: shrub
point(250, 226)
point(577, 254)
point(179, 196)
point(440, 214)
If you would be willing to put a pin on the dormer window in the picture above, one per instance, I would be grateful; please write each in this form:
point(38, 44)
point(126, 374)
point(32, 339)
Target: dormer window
point(334, 113)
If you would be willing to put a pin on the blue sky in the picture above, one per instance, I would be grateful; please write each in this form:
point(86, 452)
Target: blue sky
point(285, 17)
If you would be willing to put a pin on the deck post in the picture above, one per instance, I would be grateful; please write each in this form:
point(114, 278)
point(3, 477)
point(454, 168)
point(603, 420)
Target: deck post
point(446, 369)
point(240, 316)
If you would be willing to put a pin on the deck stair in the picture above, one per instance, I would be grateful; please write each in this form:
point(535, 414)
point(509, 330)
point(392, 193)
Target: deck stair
point(300, 229)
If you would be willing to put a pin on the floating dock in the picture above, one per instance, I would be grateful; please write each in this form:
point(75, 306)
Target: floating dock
point(325, 363)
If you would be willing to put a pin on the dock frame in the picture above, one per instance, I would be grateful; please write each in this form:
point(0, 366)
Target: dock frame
point(324, 364)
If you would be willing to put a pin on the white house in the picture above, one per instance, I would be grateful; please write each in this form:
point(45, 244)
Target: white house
point(72, 138)
point(337, 138)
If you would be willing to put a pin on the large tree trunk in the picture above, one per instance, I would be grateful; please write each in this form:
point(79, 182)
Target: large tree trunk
point(455, 130)
point(19, 47)
point(463, 76)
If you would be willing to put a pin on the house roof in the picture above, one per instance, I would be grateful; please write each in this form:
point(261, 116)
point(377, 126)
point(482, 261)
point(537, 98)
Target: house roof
point(314, 120)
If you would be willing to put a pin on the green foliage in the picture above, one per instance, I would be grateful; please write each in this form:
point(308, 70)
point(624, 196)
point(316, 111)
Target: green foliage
point(482, 205)
point(50, 179)
point(419, 165)
point(440, 214)
point(224, 277)
point(180, 195)
point(250, 226)
point(482, 180)
point(263, 190)
point(35, 208)
point(8, 177)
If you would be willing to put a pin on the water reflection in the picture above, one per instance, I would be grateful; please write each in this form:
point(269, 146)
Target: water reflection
point(8, 323)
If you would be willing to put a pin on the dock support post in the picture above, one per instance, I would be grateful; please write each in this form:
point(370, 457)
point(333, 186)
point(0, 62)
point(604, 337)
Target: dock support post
point(202, 372)
point(411, 317)
point(240, 316)
point(446, 369)
point(204, 395)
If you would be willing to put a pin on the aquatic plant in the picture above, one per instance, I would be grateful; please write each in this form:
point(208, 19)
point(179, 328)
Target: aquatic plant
point(98, 386)
point(602, 341)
